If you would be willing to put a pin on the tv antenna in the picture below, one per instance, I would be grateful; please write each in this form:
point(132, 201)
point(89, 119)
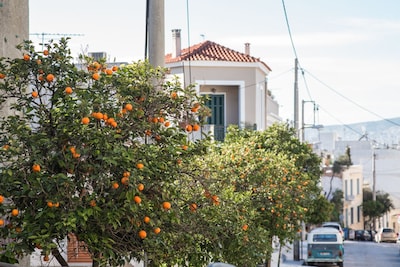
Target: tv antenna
point(43, 34)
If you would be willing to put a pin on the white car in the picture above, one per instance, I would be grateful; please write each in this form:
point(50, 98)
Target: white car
point(386, 235)
point(335, 225)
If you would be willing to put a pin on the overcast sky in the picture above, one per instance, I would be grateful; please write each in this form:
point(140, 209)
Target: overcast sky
point(348, 50)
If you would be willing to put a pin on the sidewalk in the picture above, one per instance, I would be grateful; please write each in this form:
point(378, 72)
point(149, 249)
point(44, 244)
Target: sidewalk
point(287, 259)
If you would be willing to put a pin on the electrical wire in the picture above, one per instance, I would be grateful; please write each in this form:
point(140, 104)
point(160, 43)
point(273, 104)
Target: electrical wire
point(352, 101)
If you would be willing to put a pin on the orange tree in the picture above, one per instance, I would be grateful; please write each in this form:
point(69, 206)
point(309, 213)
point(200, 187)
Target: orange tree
point(265, 183)
point(95, 153)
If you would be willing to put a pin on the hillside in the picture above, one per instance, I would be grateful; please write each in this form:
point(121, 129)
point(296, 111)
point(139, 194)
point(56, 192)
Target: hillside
point(384, 133)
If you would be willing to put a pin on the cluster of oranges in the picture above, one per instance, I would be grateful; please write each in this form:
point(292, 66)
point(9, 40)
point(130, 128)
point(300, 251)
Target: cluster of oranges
point(95, 67)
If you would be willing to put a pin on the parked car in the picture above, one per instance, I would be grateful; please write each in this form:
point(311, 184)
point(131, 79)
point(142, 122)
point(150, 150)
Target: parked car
point(362, 235)
point(324, 246)
point(335, 225)
point(386, 235)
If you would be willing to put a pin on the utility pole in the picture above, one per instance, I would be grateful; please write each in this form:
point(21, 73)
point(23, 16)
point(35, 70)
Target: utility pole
point(156, 34)
point(296, 96)
point(373, 176)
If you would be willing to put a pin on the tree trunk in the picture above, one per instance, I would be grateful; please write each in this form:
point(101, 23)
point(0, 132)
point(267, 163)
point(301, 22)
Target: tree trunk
point(56, 253)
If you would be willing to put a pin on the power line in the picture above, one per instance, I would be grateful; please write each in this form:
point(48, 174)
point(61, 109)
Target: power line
point(287, 24)
point(353, 102)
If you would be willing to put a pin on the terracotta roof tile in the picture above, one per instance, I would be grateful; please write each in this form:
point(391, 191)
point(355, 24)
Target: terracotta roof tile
point(210, 51)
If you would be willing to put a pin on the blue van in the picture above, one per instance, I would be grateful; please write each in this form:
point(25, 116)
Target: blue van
point(324, 246)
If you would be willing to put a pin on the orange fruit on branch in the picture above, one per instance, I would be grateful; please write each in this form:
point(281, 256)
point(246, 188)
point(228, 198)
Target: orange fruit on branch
point(140, 166)
point(96, 76)
point(140, 187)
point(50, 77)
point(1, 199)
point(85, 120)
point(128, 107)
point(68, 90)
point(137, 199)
point(142, 234)
point(166, 205)
point(15, 212)
point(35, 94)
point(46, 52)
point(146, 219)
point(36, 167)
point(2, 75)
point(157, 230)
point(27, 57)
point(115, 185)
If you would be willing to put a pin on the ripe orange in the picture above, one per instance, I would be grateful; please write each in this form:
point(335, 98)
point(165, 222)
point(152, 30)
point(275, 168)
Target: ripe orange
point(157, 230)
point(189, 128)
point(114, 68)
point(142, 234)
point(146, 219)
point(193, 207)
point(128, 107)
point(109, 71)
point(115, 185)
point(245, 227)
point(174, 95)
point(96, 65)
point(27, 57)
point(85, 120)
point(96, 76)
point(50, 204)
point(15, 212)
point(140, 166)
point(36, 167)
point(137, 199)
point(35, 94)
point(140, 187)
point(50, 77)
point(194, 109)
point(40, 78)
point(98, 115)
point(2, 75)
point(147, 132)
point(125, 180)
point(196, 127)
point(46, 52)
point(167, 124)
point(68, 90)
point(166, 205)
point(126, 174)
point(57, 204)
point(1, 199)
point(161, 119)
point(1, 222)
point(92, 203)
point(184, 147)
point(154, 120)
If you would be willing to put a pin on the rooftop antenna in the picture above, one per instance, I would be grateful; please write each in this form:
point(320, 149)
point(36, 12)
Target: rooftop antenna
point(43, 34)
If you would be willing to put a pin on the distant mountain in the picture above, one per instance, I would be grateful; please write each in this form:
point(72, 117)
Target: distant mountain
point(383, 132)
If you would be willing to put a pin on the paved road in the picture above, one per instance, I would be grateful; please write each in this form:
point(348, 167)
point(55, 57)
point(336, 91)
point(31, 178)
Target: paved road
point(357, 254)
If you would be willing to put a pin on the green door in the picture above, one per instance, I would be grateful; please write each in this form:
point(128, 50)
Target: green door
point(217, 105)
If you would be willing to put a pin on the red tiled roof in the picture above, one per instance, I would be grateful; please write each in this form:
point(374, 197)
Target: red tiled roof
point(210, 51)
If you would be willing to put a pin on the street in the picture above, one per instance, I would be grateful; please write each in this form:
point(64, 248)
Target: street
point(371, 254)
point(356, 254)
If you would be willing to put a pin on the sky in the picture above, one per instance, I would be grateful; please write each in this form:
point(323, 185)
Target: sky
point(348, 50)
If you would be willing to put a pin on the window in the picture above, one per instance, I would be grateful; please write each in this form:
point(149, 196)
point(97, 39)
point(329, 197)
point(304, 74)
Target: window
point(351, 215)
point(325, 238)
point(358, 186)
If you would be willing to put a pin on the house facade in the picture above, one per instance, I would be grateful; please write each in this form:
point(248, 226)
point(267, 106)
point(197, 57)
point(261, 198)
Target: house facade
point(350, 182)
point(235, 82)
